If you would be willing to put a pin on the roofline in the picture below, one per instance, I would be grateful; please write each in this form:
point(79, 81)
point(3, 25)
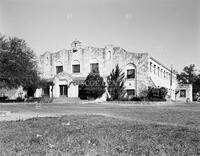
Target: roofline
point(161, 64)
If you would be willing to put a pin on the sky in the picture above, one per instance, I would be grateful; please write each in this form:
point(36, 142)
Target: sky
point(169, 30)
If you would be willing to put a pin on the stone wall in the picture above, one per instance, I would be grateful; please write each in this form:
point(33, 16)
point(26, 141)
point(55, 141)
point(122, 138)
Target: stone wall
point(107, 57)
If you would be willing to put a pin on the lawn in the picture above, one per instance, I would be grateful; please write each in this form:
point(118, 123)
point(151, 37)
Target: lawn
point(123, 130)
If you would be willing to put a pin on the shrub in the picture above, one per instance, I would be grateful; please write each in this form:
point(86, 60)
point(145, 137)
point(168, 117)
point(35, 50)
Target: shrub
point(94, 85)
point(157, 94)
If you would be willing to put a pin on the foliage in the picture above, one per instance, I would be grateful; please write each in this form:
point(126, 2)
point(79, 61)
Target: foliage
point(190, 76)
point(18, 66)
point(156, 94)
point(115, 83)
point(94, 85)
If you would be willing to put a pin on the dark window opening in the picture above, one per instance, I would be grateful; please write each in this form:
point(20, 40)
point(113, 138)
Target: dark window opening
point(74, 50)
point(59, 69)
point(76, 68)
point(130, 92)
point(130, 73)
point(94, 67)
point(183, 93)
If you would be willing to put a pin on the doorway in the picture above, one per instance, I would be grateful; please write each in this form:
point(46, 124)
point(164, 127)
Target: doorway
point(63, 90)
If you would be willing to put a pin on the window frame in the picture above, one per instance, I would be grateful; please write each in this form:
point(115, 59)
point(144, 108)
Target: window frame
point(183, 95)
point(57, 69)
point(128, 77)
point(76, 72)
point(93, 65)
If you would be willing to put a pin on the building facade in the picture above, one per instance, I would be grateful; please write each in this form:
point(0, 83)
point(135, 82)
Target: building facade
point(66, 68)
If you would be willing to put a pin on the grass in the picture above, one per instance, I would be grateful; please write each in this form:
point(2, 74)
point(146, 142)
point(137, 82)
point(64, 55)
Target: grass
point(94, 135)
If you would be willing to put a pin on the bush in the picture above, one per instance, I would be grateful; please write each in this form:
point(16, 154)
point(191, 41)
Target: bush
point(94, 86)
point(137, 99)
point(157, 94)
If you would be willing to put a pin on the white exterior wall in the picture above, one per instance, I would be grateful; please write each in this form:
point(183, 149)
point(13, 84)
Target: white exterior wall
point(188, 89)
point(107, 58)
point(160, 80)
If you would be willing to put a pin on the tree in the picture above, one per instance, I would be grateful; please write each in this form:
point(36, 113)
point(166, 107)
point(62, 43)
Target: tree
point(115, 83)
point(18, 66)
point(94, 85)
point(190, 76)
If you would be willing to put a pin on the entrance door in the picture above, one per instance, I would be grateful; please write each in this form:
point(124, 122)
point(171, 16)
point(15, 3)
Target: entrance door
point(63, 90)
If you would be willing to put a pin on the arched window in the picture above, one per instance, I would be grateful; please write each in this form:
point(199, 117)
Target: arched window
point(154, 69)
point(130, 71)
point(59, 67)
point(94, 66)
point(109, 54)
point(76, 66)
point(151, 66)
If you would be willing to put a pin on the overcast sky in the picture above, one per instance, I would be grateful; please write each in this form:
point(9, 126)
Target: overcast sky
point(167, 29)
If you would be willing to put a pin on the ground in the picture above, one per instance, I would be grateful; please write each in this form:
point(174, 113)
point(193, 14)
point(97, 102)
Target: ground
point(101, 129)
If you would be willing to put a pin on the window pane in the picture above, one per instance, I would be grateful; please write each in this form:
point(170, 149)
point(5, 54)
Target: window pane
point(183, 93)
point(130, 92)
point(94, 67)
point(59, 69)
point(130, 73)
point(76, 68)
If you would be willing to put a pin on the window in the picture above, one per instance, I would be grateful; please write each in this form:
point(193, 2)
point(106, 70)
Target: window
point(161, 73)
point(154, 69)
point(158, 71)
point(130, 73)
point(59, 69)
point(130, 92)
point(109, 54)
point(182, 93)
point(150, 67)
point(94, 67)
point(164, 75)
point(76, 68)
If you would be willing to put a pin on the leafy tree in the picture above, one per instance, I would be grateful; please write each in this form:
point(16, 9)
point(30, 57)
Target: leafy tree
point(115, 83)
point(18, 65)
point(94, 85)
point(190, 76)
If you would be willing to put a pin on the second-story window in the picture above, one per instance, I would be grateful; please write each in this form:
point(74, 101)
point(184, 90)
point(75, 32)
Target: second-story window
point(151, 66)
point(59, 69)
point(164, 75)
point(94, 67)
point(130, 73)
point(76, 68)
point(154, 70)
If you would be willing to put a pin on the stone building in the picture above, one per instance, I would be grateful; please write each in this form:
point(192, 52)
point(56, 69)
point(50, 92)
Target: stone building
point(68, 67)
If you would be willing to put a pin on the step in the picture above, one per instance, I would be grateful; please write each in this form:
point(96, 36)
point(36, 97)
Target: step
point(67, 100)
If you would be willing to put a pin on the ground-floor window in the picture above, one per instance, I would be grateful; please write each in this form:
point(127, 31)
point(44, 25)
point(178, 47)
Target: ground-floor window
point(130, 92)
point(182, 93)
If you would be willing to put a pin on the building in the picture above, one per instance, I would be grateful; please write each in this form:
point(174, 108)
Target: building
point(66, 68)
